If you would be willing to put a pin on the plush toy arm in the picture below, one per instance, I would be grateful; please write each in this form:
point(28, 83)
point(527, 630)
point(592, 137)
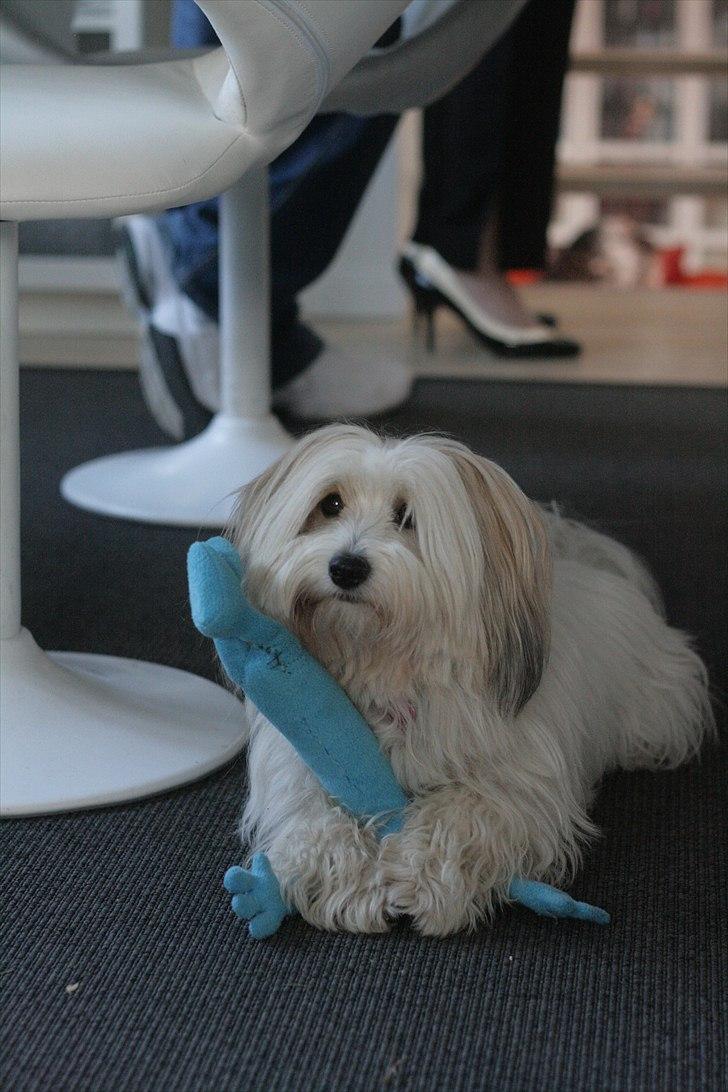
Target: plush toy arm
point(551, 903)
point(290, 687)
point(256, 896)
point(219, 608)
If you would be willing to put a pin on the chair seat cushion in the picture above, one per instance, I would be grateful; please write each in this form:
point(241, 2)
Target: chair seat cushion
point(87, 141)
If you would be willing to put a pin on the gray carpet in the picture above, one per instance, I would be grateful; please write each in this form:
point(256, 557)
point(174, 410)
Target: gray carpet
point(124, 968)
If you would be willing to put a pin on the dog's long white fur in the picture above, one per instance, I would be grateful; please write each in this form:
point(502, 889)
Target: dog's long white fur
point(506, 657)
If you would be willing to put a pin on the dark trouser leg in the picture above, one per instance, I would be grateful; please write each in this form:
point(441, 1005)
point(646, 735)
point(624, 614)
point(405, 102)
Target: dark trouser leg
point(309, 226)
point(461, 156)
point(540, 59)
point(489, 145)
point(316, 186)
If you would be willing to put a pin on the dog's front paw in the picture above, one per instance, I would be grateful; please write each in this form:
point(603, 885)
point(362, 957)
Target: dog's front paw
point(435, 912)
point(256, 896)
point(350, 898)
point(435, 895)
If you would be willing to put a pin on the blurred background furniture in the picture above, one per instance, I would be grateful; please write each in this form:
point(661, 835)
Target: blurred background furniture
point(645, 124)
point(670, 180)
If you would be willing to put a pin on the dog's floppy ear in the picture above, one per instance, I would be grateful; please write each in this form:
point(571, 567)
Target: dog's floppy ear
point(252, 499)
point(516, 591)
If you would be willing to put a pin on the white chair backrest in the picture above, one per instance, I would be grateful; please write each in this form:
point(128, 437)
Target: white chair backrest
point(419, 69)
point(443, 41)
point(71, 132)
point(324, 40)
point(47, 25)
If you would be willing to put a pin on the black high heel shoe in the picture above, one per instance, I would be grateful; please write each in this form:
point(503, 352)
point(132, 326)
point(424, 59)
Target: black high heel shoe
point(426, 300)
point(433, 284)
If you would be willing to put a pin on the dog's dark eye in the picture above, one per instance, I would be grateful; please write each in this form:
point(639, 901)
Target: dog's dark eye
point(332, 505)
point(402, 518)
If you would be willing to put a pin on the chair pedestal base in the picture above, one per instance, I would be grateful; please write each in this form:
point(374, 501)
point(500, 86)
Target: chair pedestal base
point(189, 485)
point(81, 731)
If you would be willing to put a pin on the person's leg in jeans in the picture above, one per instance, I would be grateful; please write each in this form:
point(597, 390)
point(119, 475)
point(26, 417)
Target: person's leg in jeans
point(315, 187)
point(488, 152)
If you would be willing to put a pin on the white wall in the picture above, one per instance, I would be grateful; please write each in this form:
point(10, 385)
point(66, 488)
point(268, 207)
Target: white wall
point(361, 282)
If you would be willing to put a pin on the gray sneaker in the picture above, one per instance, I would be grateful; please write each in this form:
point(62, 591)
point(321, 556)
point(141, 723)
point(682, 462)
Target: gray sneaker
point(153, 297)
point(180, 353)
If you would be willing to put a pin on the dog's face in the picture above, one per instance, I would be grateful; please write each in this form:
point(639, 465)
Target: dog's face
point(401, 557)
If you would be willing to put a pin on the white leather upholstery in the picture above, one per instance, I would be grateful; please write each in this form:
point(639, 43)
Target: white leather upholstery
point(80, 141)
point(324, 37)
point(92, 140)
point(105, 140)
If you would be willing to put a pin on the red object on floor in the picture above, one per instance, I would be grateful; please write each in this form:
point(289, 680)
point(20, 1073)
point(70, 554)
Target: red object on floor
point(674, 274)
point(709, 278)
point(671, 258)
point(524, 276)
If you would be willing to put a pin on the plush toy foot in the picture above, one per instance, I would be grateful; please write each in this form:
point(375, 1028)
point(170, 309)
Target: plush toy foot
point(552, 903)
point(256, 896)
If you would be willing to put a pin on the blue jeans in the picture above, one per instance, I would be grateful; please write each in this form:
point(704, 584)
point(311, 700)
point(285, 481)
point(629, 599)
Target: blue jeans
point(315, 187)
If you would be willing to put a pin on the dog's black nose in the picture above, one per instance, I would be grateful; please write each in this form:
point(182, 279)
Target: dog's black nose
point(349, 570)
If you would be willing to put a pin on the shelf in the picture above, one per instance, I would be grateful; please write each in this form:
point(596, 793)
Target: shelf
point(649, 62)
point(642, 180)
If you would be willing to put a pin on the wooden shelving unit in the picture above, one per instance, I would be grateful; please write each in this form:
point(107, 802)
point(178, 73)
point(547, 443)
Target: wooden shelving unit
point(642, 180)
point(679, 170)
point(648, 62)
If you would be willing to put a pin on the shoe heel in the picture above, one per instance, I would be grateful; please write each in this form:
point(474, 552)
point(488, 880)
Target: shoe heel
point(424, 314)
point(426, 301)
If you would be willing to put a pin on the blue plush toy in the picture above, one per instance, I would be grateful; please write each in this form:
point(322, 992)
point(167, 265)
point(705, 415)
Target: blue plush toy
point(315, 715)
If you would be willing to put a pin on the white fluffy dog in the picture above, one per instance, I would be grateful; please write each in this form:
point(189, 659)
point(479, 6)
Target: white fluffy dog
point(505, 657)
